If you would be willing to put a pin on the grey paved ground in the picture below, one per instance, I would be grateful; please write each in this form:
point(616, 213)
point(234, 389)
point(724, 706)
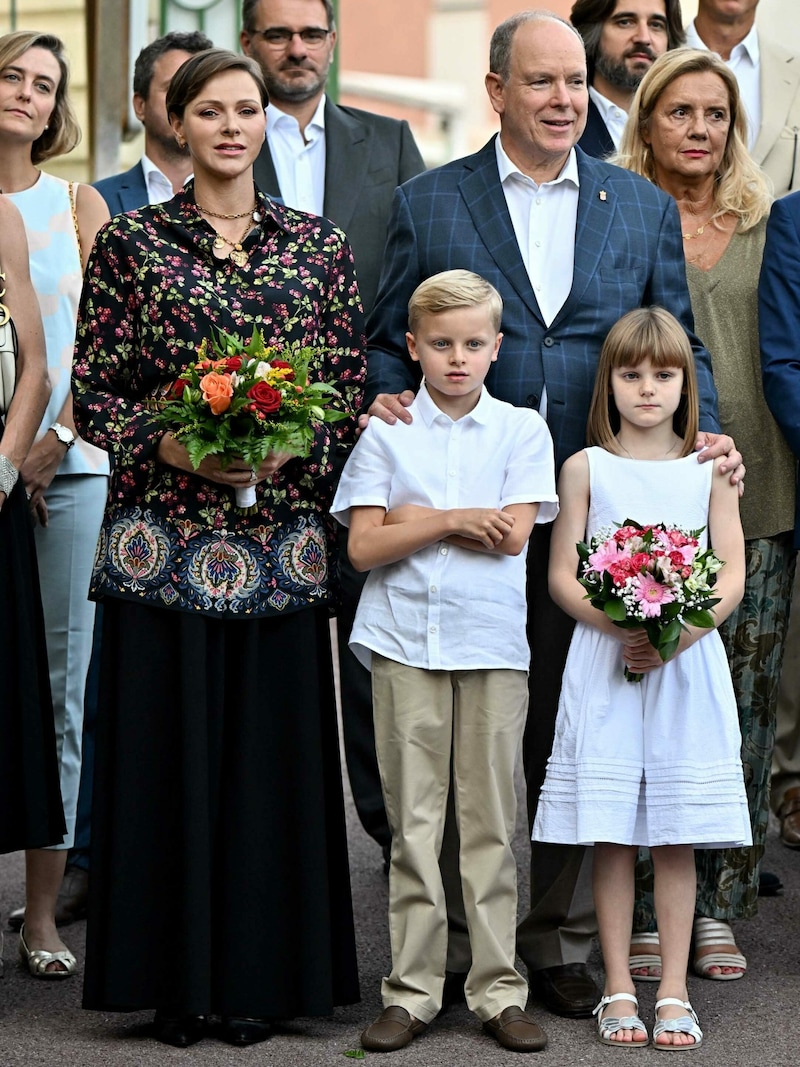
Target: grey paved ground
point(754, 1022)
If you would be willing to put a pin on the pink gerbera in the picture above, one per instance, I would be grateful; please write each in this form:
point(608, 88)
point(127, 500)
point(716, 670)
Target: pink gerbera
point(651, 595)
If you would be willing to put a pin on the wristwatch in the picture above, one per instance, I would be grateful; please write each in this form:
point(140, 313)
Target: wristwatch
point(64, 434)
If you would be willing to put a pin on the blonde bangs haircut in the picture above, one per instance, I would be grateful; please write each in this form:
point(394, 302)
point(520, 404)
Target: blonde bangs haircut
point(63, 132)
point(741, 188)
point(454, 289)
point(645, 333)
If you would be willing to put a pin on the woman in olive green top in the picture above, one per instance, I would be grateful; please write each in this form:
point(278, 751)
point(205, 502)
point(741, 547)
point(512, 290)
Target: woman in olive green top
point(687, 134)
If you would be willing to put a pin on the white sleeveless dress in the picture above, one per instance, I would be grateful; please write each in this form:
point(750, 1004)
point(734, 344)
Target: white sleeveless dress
point(656, 762)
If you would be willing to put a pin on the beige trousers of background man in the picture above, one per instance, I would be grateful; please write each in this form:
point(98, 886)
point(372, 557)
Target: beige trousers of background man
point(423, 719)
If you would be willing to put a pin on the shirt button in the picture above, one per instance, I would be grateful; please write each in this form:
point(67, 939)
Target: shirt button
point(443, 550)
point(538, 200)
point(433, 629)
point(452, 474)
point(537, 244)
point(434, 589)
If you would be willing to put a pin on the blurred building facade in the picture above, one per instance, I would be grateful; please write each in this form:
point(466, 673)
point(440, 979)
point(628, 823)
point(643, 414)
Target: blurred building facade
point(424, 60)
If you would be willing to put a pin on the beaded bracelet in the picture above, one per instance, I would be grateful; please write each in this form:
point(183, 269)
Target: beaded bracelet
point(8, 475)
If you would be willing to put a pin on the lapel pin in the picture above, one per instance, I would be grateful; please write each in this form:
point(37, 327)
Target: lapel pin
point(602, 195)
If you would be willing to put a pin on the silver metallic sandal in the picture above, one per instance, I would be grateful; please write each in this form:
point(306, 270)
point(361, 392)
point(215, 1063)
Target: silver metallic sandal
point(608, 1025)
point(38, 960)
point(684, 1024)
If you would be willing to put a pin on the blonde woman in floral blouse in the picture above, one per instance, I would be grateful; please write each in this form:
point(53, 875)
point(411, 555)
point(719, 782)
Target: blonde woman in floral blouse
point(219, 872)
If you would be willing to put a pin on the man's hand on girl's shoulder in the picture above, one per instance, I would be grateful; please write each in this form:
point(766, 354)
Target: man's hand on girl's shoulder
point(714, 445)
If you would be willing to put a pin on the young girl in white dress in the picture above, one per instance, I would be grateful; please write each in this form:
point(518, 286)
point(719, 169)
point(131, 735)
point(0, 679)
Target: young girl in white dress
point(657, 762)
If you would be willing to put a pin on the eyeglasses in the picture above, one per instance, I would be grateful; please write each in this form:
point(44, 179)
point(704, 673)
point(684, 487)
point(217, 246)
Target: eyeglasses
point(280, 37)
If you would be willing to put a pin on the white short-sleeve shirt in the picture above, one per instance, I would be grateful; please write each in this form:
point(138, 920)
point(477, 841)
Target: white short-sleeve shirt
point(446, 607)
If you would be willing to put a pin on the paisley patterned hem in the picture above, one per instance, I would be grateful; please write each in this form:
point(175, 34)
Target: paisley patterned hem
point(143, 557)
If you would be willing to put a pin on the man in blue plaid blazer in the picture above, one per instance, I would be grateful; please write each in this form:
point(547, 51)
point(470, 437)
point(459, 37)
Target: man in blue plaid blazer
point(627, 253)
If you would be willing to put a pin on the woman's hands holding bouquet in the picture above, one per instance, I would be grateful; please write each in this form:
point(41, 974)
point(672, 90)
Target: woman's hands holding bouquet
point(238, 474)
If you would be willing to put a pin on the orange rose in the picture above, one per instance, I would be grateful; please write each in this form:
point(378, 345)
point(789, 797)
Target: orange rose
point(217, 391)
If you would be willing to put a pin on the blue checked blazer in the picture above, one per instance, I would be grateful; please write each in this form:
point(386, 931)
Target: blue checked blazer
point(628, 253)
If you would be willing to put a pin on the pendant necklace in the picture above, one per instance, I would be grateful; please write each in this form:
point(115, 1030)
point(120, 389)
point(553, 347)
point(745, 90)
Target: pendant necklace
point(237, 253)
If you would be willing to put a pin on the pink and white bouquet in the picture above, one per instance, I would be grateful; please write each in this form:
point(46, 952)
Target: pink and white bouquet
point(245, 400)
point(656, 577)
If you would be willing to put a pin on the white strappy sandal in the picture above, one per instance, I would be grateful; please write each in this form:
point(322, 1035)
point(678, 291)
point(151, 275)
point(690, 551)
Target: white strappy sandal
point(608, 1025)
point(684, 1024)
point(709, 932)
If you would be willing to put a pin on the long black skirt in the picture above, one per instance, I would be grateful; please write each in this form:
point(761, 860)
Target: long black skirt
point(31, 815)
point(220, 880)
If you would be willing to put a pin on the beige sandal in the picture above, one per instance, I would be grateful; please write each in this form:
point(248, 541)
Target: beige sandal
point(651, 960)
point(713, 932)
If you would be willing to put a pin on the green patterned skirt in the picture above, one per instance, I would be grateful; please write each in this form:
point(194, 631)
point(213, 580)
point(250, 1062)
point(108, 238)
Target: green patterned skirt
point(754, 634)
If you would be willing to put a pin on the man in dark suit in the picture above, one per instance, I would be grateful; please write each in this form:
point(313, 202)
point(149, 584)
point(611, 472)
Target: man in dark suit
point(571, 243)
point(622, 39)
point(343, 163)
point(165, 166)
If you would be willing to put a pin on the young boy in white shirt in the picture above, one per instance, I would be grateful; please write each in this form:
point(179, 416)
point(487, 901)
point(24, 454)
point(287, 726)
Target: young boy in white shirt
point(440, 511)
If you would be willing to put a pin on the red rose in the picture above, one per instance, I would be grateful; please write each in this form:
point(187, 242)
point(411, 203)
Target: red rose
point(234, 363)
point(265, 398)
point(177, 388)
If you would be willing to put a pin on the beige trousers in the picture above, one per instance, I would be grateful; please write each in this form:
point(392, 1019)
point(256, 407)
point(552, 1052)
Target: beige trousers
point(786, 754)
point(424, 722)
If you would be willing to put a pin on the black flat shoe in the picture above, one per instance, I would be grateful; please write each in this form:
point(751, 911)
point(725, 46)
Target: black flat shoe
point(179, 1030)
point(238, 1031)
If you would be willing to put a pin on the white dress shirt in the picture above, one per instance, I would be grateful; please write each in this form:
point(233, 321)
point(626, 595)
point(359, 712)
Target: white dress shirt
point(745, 62)
point(299, 160)
point(612, 115)
point(159, 187)
point(446, 607)
point(544, 218)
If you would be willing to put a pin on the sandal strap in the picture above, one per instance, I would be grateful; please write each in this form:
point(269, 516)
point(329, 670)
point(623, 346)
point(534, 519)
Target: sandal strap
point(611, 998)
point(685, 1024)
point(712, 932)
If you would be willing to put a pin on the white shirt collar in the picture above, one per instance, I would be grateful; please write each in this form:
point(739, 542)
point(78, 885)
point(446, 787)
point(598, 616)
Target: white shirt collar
point(430, 411)
point(747, 47)
point(316, 125)
point(159, 187)
point(508, 169)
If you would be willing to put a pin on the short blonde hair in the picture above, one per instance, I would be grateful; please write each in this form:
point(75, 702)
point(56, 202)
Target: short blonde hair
point(644, 333)
point(741, 188)
point(63, 132)
point(454, 289)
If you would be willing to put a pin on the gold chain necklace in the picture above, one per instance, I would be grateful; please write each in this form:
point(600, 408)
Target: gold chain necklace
point(237, 253)
point(215, 215)
point(697, 233)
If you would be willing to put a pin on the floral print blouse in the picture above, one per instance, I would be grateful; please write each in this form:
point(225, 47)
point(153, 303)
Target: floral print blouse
point(152, 291)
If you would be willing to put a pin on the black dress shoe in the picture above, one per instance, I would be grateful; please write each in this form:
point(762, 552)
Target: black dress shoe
point(72, 896)
point(240, 1031)
point(179, 1030)
point(567, 990)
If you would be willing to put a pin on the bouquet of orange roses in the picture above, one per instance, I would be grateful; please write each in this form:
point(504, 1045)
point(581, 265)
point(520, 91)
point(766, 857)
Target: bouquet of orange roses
point(245, 400)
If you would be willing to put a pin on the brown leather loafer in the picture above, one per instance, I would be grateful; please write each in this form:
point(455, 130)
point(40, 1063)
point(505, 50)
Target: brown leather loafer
point(394, 1029)
point(514, 1029)
point(790, 818)
point(567, 990)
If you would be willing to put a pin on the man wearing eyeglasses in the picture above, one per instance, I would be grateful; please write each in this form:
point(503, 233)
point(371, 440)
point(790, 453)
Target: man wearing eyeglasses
point(343, 163)
point(340, 162)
